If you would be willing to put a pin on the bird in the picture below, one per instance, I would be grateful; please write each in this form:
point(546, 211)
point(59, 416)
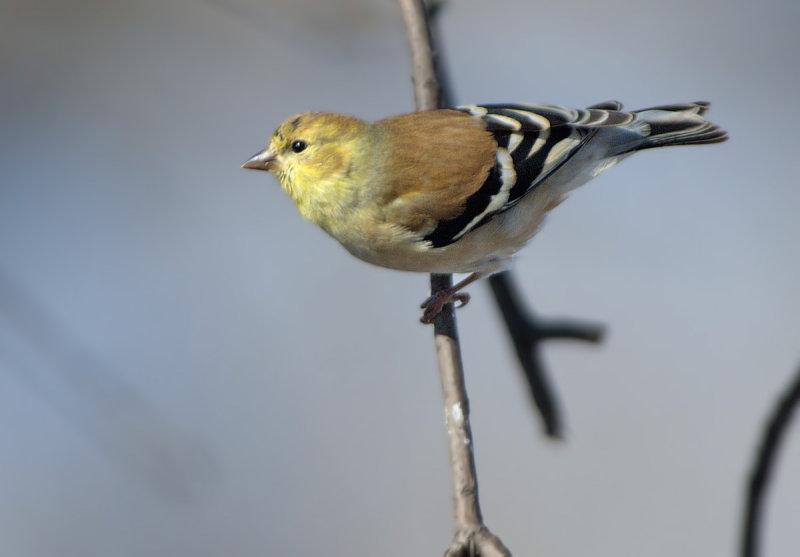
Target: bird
point(458, 190)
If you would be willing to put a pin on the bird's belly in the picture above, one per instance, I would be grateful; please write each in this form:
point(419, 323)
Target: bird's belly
point(486, 249)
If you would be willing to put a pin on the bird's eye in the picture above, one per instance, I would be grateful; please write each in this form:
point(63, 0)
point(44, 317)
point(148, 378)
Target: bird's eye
point(298, 145)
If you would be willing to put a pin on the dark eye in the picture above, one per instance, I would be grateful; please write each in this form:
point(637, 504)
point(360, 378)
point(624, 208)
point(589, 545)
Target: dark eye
point(298, 145)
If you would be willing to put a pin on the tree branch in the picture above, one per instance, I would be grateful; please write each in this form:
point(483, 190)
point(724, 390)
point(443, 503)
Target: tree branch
point(526, 330)
point(763, 465)
point(427, 95)
point(527, 333)
point(471, 538)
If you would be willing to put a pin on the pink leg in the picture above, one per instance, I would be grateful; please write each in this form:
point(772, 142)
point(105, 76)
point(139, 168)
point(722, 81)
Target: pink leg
point(433, 306)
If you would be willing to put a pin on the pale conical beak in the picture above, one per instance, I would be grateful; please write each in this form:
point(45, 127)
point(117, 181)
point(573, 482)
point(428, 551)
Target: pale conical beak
point(263, 160)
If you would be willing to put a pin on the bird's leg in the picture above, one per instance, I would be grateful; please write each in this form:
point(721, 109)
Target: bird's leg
point(433, 306)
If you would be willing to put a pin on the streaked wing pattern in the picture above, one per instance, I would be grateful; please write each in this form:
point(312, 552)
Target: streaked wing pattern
point(533, 142)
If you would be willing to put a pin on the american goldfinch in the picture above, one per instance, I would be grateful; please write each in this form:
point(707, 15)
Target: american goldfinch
point(458, 190)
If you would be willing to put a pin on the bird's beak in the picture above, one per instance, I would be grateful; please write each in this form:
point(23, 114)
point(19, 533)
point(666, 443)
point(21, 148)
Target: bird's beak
point(263, 160)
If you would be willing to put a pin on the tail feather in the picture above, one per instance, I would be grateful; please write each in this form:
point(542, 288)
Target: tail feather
point(678, 124)
point(696, 107)
point(607, 105)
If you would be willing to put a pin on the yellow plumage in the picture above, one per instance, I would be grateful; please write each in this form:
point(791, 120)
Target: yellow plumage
point(457, 190)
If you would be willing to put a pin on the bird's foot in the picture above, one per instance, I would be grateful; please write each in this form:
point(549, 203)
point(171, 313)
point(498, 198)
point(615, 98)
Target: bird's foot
point(434, 305)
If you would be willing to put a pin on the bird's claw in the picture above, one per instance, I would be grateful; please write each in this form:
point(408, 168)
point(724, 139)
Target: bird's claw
point(435, 303)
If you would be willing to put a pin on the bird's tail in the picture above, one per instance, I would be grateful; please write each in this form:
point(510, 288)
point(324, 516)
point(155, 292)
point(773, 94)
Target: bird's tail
point(676, 124)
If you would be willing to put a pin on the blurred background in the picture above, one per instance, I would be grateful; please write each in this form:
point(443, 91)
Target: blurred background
point(189, 368)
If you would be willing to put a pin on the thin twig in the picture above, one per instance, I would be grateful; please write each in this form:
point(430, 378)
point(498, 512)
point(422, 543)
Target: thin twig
point(527, 334)
point(471, 538)
point(762, 468)
point(527, 331)
point(427, 95)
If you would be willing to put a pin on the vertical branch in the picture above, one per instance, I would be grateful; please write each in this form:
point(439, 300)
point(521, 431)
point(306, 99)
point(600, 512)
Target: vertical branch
point(761, 473)
point(427, 94)
point(527, 331)
point(472, 538)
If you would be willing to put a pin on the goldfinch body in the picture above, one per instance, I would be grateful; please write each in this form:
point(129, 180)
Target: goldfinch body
point(458, 190)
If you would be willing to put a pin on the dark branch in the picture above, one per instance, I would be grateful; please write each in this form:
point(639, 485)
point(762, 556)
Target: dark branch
point(527, 333)
point(763, 466)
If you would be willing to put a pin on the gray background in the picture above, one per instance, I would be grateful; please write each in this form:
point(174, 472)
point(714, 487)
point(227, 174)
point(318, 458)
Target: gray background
point(189, 368)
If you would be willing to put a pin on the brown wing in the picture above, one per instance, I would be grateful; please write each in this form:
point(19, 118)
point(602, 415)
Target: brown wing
point(436, 161)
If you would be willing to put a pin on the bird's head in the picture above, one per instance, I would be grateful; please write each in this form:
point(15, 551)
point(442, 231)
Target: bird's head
point(312, 153)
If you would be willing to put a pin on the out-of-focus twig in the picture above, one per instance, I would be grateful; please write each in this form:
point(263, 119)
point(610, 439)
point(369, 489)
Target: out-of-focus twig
point(527, 332)
point(764, 463)
point(472, 538)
